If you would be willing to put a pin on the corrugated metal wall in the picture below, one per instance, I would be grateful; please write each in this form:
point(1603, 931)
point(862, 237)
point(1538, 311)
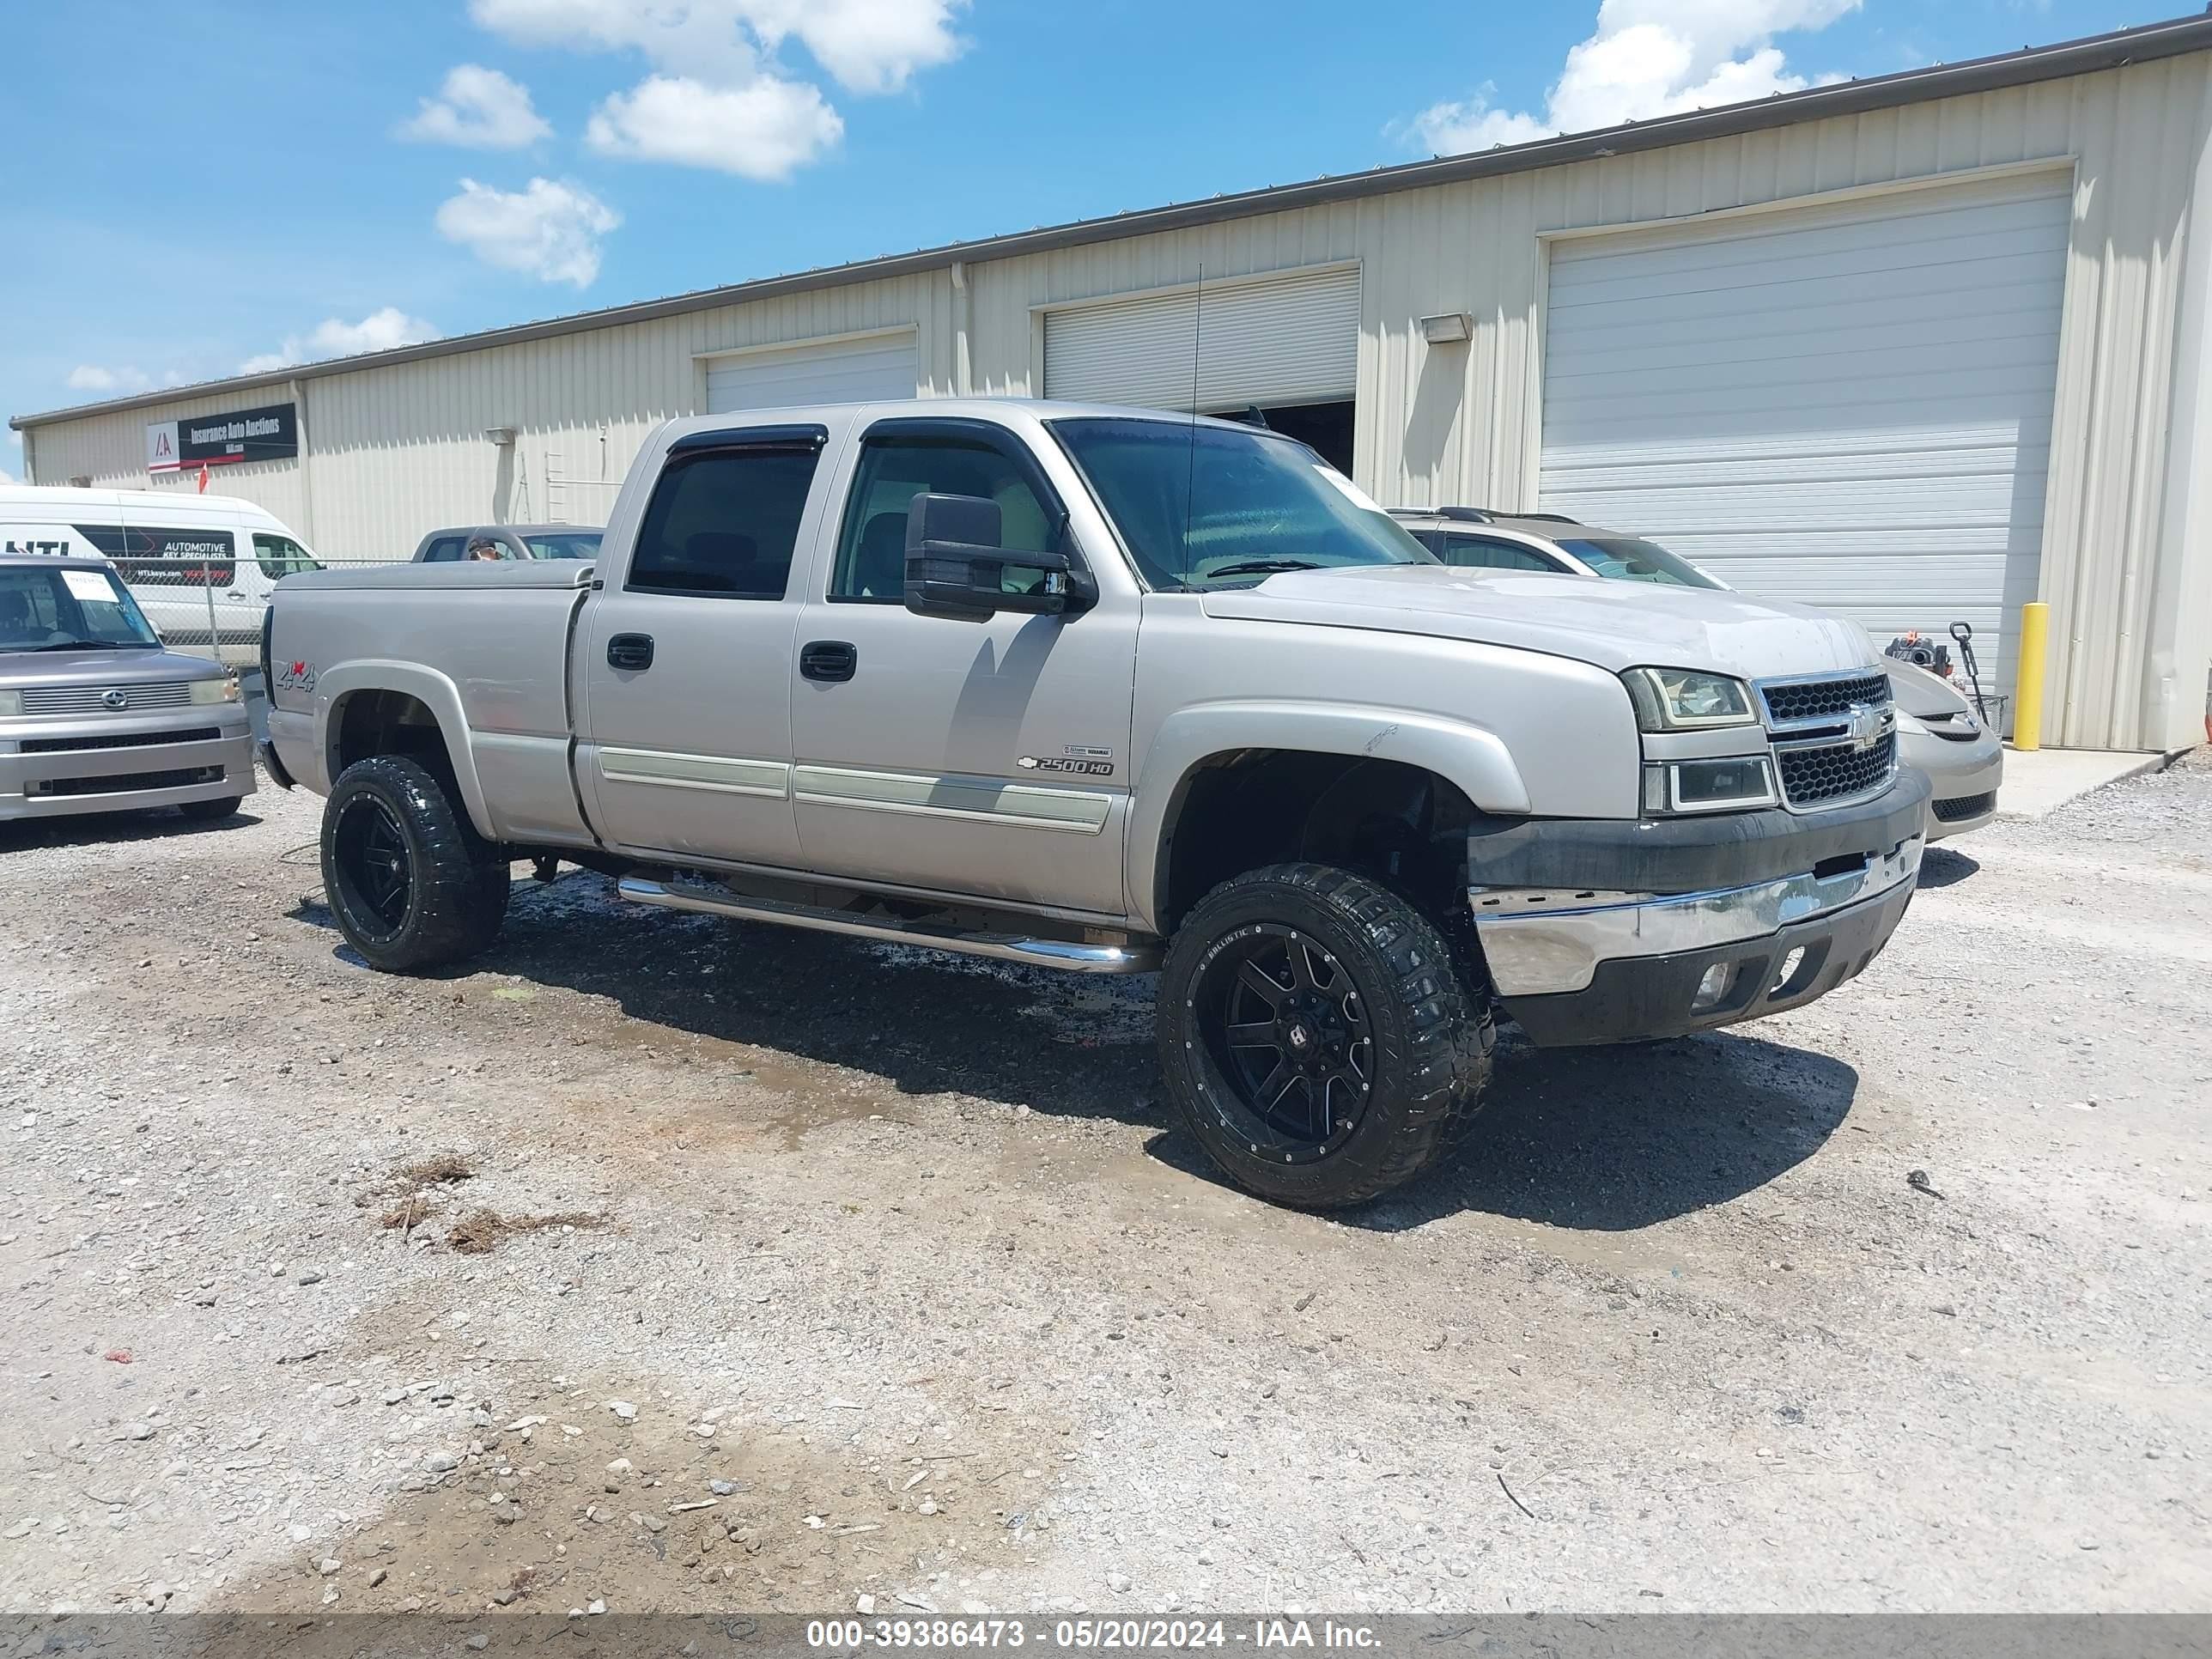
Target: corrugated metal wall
point(397, 448)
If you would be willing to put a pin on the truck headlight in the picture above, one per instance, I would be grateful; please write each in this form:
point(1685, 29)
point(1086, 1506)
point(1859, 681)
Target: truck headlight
point(11, 705)
point(1683, 699)
point(221, 691)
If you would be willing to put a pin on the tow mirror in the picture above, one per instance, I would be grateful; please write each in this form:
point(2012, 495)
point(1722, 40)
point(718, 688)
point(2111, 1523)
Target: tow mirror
point(956, 567)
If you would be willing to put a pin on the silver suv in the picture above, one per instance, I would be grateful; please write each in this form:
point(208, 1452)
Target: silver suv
point(1545, 543)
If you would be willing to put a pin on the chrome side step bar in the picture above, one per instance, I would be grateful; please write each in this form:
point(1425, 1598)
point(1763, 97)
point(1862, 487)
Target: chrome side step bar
point(1065, 954)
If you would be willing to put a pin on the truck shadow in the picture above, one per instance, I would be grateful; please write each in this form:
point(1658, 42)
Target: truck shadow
point(1941, 866)
point(1612, 1140)
point(115, 829)
point(1603, 1139)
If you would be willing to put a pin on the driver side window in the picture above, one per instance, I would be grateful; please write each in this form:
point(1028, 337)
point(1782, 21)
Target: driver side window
point(871, 567)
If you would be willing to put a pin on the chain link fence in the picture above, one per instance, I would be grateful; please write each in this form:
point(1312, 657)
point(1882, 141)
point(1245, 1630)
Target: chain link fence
point(213, 607)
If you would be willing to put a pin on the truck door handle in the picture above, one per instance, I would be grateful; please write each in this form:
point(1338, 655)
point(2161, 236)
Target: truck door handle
point(829, 660)
point(630, 651)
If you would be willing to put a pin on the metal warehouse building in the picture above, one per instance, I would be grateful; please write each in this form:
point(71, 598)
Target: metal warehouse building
point(1920, 349)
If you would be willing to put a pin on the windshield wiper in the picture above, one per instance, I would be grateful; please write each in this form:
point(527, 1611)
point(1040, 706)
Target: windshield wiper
point(68, 645)
point(1261, 567)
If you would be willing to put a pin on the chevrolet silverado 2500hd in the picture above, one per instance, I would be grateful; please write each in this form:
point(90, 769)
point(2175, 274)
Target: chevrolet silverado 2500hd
point(1110, 690)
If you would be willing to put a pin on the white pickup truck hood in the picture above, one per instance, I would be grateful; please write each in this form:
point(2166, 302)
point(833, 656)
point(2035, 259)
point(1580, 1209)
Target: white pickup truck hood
point(1611, 625)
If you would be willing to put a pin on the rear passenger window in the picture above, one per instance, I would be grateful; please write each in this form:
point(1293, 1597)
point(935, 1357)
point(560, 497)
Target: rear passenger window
point(725, 523)
point(446, 549)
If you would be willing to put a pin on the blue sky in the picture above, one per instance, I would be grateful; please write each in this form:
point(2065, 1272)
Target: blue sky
point(254, 182)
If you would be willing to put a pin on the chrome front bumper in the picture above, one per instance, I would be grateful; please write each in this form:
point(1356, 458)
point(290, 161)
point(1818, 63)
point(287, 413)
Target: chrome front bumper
point(1543, 944)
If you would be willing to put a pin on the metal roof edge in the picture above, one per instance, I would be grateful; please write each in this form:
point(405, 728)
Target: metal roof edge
point(2087, 55)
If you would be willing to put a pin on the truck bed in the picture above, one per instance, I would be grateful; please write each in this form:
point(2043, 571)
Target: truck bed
point(485, 645)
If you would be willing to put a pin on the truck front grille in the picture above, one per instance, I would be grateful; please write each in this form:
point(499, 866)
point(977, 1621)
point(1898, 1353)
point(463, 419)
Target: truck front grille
point(88, 699)
point(1834, 737)
point(132, 740)
point(1794, 703)
point(1818, 774)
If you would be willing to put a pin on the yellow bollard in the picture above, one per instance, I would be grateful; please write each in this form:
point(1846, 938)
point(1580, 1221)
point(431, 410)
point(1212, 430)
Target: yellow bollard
point(2027, 677)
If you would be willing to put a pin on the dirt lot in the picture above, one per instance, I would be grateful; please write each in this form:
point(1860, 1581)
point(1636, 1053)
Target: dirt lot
point(660, 1263)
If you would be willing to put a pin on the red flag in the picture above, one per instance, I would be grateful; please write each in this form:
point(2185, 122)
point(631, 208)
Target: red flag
point(202, 477)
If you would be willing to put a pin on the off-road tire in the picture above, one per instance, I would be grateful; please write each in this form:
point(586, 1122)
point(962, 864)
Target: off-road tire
point(459, 881)
point(211, 812)
point(1431, 1039)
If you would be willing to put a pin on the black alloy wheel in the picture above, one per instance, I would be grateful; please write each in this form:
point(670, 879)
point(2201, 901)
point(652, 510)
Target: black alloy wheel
point(1287, 1029)
point(370, 850)
point(410, 883)
point(1317, 1035)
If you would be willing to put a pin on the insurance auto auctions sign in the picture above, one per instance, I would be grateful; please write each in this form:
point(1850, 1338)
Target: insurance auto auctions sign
point(250, 434)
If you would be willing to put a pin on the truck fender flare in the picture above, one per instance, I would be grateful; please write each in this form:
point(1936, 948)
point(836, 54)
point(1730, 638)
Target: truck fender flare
point(1475, 759)
point(426, 686)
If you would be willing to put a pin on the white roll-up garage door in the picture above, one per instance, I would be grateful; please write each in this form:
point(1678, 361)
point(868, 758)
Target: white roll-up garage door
point(1280, 341)
point(837, 371)
point(1850, 407)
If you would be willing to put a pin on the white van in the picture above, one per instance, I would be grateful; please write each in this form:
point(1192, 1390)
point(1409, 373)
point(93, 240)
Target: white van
point(201, 567)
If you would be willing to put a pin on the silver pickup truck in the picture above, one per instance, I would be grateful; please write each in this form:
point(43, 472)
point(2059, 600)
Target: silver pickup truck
point(95, 716)
point(1109, 690)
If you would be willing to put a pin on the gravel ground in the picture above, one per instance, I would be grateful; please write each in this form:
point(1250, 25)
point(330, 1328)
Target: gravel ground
point(661, 1263)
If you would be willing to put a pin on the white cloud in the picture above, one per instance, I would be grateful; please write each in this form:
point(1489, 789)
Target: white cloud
point(93, 377)
point(480, 108)
point(867, 45)
point(719, 97)
point(381, 331)
point(1645, 59)
point(550, 231)
point(763, 130)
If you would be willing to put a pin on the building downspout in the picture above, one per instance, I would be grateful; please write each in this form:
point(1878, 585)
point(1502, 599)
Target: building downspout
point(298, 391)
point(963, 324)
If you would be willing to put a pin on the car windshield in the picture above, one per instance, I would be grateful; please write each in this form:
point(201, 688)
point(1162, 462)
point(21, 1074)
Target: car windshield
point(1630, 559)
point(1206, 508)
point(61, 608)
point(564, 545)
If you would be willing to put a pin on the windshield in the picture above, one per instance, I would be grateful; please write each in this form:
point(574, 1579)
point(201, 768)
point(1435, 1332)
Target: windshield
point(1204, 507)
point(1629, 559)
point(564, 545)
point(61, 608)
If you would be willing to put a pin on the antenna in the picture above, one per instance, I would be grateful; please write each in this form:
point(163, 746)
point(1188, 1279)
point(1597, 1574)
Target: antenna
point(1190, 468)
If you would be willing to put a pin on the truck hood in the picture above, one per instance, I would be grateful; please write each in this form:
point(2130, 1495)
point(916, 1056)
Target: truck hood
point(19, 669)
point(1610, 625)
